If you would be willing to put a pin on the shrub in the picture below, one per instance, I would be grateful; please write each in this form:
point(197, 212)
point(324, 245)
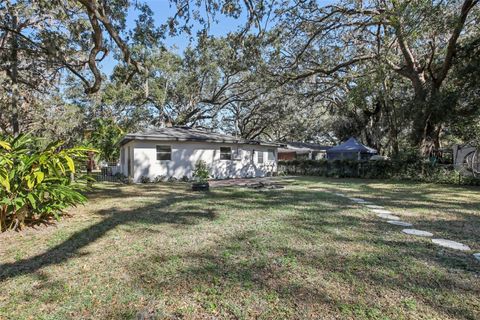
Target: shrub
point(201, 174)
point(145, 179)
point(159, 179)
point(406, 168)
point(120, 177)
point(37, 183)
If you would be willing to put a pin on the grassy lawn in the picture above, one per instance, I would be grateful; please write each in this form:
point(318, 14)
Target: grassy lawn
point(162, 251)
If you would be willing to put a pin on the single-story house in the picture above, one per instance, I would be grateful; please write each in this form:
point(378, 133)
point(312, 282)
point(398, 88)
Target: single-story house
point(173, 152)
point(302, 150)
point(350, 150)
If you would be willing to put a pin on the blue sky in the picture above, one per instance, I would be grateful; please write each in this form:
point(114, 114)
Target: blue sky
point(162, 11)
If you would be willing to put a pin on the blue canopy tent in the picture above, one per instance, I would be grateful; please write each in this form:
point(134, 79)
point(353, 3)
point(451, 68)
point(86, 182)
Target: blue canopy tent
point(350, 150)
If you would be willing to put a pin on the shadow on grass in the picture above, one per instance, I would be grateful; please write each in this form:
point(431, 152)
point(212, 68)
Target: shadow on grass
point(458, 205)
point(263, 261)
point(154, 214)
point(265, 266)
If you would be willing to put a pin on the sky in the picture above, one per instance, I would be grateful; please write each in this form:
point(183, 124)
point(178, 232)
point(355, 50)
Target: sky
point(162, 11)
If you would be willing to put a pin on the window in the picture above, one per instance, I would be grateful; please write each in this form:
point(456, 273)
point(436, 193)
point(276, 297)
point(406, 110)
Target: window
point(260, 157)
point(225, 153)
point(164, 153)
point(271, 154)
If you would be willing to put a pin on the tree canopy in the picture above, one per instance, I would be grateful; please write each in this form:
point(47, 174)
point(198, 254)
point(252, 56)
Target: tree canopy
point(399, 75)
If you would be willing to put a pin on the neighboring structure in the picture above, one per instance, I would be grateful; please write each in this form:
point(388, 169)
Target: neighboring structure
point(173, 152)
point(466, 159)
point(302, 150)
point(351, 150)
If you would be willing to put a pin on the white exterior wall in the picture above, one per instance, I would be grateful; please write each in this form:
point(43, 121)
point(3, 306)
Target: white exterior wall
point(185, 155)
point(124, 156)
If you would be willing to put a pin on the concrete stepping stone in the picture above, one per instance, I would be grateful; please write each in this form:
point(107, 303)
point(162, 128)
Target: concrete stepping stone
point(358, 200)
point(451, 244)
point(382, 211)
point(477, 256)
point(374, 206)
point(416, 232)
point(388, 216)
point(400, 223)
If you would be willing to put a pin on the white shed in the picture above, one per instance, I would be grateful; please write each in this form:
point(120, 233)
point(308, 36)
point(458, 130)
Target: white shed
point(173, 152)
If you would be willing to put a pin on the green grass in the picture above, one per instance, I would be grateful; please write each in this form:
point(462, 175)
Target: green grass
point(162, 251)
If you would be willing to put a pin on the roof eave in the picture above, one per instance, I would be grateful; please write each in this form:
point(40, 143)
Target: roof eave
point(130, 137)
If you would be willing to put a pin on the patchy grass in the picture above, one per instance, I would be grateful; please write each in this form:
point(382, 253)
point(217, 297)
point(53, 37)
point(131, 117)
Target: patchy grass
point(161, 251)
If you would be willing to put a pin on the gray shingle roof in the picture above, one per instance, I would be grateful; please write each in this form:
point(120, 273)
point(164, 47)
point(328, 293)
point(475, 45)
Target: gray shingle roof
point(303, 147)
point(189, 134)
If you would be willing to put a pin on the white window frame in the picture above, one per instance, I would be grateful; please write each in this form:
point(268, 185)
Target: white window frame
point(157, 153)
point(225, 153)
point(260, 157)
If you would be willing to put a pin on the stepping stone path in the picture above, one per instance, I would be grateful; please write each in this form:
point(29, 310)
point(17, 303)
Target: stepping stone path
point(416, 232)
point(382, 211)
point(400, 223)
point(373, 206)
point(357, 200)
point(387, 216)
point(392, 219)
point(451, 244)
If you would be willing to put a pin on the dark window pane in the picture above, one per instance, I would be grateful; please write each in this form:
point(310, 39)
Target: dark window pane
point(225, 153)
point(163, 156)
point(271, 154)
point(164, 153)
point(164, 149)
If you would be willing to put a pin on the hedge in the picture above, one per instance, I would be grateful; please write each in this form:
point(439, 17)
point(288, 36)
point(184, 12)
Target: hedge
point(414, 170)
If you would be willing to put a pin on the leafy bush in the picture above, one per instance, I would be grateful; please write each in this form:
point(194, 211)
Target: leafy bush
point(201, 174)
point(159, 179)
point(406, 168)
point(120, 177)
point(37, 183)
point(105, 138)
point(145, 179)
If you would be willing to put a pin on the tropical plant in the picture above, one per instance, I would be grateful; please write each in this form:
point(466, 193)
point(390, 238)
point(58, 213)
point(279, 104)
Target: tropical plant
point(201, 173)
point(37, 183)
point(105, 138)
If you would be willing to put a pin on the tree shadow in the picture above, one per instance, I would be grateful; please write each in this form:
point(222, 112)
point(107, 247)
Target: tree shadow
point(153, 214)
point(254, 260)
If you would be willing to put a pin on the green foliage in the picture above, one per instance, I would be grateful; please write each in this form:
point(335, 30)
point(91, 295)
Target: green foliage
point(105, 138)
point(145, 179)
point(37, 182)
point(201, 173)
point(407, 168)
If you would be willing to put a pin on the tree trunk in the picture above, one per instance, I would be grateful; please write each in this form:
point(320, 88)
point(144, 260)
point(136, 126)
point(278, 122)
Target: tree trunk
point(14, 78)
point(429, 139)
point(427, 124)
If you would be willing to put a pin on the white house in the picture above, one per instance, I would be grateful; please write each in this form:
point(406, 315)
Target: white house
point(173, 152)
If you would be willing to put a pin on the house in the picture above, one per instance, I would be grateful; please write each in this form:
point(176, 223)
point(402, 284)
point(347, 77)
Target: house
point(173, 152)
point(302, 150)
point(350, 150)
